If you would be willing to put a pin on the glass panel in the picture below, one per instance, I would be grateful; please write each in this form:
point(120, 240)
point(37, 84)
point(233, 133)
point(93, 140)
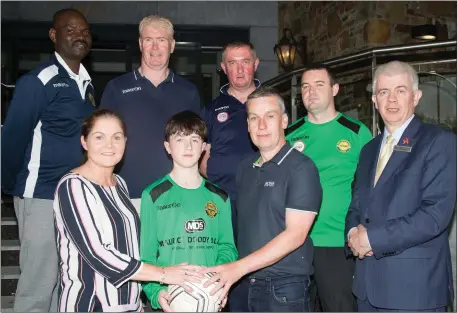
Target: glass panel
point(354, 99)
point(206, 92)
point(108, 60)
point(438, 102)
point(29, 60)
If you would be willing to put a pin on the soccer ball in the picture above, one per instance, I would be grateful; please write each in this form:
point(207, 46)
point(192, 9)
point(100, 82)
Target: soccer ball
point(199, 300)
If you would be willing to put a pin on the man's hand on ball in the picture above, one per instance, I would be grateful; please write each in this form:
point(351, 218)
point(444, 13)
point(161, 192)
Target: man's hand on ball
point(225, 276)
point(164, 298)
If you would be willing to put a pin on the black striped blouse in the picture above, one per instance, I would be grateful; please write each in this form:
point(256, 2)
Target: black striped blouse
point(98, 243)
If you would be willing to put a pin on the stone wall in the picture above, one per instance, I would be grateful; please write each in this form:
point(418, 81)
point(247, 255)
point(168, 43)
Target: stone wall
point(336, 29)
point(339, 28)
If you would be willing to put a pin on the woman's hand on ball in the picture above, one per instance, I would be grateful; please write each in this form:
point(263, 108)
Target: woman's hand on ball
point(182, 273)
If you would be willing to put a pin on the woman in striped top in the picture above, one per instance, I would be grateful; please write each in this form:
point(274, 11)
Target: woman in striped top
point(98, 229)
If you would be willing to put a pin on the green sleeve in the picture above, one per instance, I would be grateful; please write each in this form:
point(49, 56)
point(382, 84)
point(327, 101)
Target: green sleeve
point(227, 251)
point(364, 136)
point(149, 246)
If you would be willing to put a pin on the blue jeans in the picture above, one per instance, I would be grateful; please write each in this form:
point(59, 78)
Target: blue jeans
point(271, 294)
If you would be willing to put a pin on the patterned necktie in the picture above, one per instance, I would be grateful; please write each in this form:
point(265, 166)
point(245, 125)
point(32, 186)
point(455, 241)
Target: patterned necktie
point(386, 152)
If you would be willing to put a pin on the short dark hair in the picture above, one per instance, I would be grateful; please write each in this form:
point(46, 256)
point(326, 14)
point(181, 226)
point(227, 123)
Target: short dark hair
point(321, 66)
point(238, 44)
point(266, 91)
point(58, 15)
point(186, 123)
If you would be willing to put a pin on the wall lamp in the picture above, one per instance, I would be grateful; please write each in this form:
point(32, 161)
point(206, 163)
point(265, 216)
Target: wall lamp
point(288, 47)
point(424, 32)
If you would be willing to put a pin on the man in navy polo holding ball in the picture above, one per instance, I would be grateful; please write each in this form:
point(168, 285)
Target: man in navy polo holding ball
point(279, 195)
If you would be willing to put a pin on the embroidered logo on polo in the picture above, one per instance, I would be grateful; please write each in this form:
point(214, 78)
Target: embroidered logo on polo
point(222, 117)
point(269, 184)
point(211, 209)
point(343, 146)
point(131, 90)
point(221, 108)
point(91, 99)
point(61, 85)
point(194, 226)
point(299, 145)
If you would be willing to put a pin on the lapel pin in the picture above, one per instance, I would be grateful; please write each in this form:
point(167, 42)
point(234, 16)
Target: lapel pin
point(406, 141)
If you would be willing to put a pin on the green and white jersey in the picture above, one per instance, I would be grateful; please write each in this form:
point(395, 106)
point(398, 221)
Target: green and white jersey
point(184, 225)
point(334, 147)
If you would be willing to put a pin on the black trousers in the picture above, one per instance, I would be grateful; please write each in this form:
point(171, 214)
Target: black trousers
point(333, 274)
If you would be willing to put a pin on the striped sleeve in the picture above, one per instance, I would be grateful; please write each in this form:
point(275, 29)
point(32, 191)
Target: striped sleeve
point(76, 208)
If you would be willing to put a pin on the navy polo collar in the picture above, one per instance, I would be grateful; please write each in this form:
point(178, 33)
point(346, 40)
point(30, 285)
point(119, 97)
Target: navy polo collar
point(279, 157)
point(170, 77)
point(224, 89)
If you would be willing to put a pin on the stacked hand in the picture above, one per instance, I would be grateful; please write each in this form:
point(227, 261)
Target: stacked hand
point(178, 275)
point(359, 243)
point(225, 276)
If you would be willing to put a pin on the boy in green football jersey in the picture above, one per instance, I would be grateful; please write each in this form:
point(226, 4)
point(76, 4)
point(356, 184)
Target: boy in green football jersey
point(184, 218)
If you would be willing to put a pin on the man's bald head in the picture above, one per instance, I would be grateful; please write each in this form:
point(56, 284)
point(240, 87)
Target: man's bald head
point(62, 15)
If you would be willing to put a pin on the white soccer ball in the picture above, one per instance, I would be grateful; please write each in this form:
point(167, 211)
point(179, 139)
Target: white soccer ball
point(199, 300)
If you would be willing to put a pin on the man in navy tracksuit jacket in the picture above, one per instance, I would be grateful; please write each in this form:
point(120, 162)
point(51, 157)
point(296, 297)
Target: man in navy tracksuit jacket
point(40, 143)
point(226, 119)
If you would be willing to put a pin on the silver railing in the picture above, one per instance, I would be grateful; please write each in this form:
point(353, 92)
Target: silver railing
point(365, 55)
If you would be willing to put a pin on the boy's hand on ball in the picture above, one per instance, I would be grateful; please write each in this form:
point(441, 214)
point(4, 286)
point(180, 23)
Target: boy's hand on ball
point(164, 297)
point(223, 303)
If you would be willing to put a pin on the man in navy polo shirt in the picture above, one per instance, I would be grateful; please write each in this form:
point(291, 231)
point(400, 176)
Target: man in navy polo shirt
point(279, 195)
point(225, 117)
point(146, 98)
point(41, 143)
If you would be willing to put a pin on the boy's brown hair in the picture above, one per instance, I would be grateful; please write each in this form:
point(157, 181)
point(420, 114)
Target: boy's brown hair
point(186, 123)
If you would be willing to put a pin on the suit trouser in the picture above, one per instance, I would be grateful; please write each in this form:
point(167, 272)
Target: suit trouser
point(38, 260)
point(365, 306)
point(334, 273)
